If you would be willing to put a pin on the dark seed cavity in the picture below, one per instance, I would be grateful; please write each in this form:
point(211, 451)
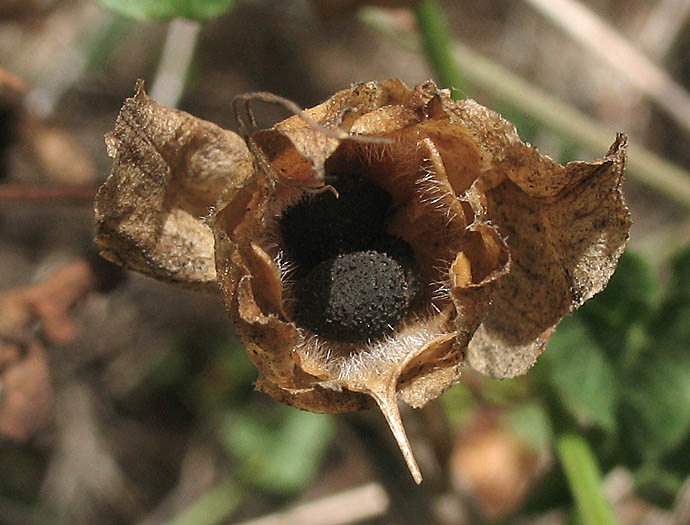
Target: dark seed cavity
point(354, 281)
point(354, 297)
point(323, 226)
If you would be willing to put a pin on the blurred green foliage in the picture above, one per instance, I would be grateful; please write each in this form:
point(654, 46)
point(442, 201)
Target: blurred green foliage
point(617, 374)
point(270, 449)
point(631, 374)
point(622, 363)
point(274, 448)
point(278, 450)
point(156, 9)
point(582, 470)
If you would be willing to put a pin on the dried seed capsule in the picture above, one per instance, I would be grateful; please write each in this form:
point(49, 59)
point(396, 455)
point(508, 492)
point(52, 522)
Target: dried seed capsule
point(354, 297)
point(323, 226)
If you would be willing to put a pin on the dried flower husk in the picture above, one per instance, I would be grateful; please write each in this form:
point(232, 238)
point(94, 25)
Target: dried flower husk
point(506, 241)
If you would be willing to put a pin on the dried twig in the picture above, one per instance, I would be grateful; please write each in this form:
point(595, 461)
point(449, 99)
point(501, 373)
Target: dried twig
point(662, 27)
point(49, 301)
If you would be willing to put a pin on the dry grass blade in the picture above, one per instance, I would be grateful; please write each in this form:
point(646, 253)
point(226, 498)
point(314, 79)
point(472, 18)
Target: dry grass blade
point(178, 51)
point(605, 42)
point(645, 166)
point(662, 27)
point(350, 506)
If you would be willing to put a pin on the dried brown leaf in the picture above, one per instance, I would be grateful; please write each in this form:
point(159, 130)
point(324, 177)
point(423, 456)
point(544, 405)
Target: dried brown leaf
point(11, 86)
point(26, 394)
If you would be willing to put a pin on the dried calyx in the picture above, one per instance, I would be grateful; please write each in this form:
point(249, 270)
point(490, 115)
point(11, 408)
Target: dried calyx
point(369, 247)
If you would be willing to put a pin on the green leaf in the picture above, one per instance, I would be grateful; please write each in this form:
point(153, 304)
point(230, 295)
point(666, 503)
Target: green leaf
point(215, 506)
point(681, 273)
point(458, 405)
point(584, 479)
point(656, 401)
point(505, 392)
point(628, 300)
point(278, 452)
point(156, 9)
point(580, 373)
point(656, 407)
point(531, 423)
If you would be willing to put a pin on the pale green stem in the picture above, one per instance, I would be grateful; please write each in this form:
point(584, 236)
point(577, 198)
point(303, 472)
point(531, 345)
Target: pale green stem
point(584, 479)
point(215, 506)
point(437, 44)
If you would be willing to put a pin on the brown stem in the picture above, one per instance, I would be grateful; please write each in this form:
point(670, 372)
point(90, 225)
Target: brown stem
point(40, 192)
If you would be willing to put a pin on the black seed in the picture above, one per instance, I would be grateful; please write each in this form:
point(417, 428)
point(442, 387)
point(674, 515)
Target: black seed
point(403, 254)
point(323, 226)
point(354, 297)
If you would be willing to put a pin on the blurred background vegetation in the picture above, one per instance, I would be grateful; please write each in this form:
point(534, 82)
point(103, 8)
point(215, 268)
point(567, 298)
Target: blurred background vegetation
point(152, 413)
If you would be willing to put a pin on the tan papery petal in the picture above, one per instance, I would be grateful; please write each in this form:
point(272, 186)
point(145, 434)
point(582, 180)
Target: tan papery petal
point(169, 170)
